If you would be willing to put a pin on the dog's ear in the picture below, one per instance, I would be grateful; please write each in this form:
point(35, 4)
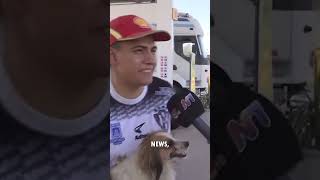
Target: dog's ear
point(156, 164)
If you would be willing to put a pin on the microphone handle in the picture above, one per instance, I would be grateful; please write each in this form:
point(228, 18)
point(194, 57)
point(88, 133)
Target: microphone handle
point(202, 127)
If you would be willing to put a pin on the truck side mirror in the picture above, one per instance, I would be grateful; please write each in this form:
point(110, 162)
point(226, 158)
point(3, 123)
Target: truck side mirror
point(187, 49)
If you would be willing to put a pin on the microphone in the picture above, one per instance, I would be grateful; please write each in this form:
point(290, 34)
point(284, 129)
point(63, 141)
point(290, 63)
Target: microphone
point(186, 108)
point(202, 127)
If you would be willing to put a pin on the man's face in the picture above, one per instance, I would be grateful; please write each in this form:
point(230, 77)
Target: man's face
point(69, 34)
point(134, 61)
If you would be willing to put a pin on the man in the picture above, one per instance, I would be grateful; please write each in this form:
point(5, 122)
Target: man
point(138, 100)
point(53, 85)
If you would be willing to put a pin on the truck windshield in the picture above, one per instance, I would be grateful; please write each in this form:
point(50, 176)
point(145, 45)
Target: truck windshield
point(203, 52)
point(179, 42)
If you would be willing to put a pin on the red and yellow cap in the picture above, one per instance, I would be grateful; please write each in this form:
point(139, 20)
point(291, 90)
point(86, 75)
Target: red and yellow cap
point(130, 27)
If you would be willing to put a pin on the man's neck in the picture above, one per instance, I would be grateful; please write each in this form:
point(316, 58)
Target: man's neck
point(55, 95)
point(126, 90)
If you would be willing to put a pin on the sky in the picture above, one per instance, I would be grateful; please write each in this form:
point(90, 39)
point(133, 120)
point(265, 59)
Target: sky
point(199, 9)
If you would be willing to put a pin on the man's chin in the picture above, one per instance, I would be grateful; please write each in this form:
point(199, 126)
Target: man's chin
point(146, 82)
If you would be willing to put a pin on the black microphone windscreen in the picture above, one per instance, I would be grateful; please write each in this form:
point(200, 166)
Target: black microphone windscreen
point(185, 107)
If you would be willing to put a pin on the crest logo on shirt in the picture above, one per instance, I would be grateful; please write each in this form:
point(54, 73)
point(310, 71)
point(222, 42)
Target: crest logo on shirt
point(116, 134)
point(162, 117)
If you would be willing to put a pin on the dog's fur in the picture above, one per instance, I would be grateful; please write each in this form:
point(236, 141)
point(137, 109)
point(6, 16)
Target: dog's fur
point(151, 163)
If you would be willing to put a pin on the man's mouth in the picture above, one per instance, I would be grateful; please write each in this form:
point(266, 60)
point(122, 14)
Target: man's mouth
point(147, 70)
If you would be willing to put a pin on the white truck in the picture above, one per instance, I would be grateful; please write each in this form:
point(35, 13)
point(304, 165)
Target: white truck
point(188, 30)
point(173, 65)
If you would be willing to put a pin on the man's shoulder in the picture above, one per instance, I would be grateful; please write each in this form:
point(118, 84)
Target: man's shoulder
point(160, 82)
point(160, 86)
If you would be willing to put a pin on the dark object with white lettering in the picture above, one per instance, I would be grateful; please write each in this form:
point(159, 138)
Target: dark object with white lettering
point(251, 137)
point(186, 108)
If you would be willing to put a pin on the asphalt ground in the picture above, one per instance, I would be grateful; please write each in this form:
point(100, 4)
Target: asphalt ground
point(196, 166)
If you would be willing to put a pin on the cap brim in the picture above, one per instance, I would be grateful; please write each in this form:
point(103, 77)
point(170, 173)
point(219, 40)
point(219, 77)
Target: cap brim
point(158, 35)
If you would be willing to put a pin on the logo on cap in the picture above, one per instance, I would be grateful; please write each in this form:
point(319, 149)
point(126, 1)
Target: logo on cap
point(141, 22)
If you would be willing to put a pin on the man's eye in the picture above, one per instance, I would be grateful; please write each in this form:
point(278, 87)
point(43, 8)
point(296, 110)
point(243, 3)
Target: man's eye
point(153, 50)
point(138, 51)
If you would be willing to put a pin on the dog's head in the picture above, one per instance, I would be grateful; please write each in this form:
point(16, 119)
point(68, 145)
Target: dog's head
point(159, 148)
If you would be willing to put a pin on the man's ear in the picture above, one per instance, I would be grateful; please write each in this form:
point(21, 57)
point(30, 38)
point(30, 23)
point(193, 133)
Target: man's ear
point(113, 56)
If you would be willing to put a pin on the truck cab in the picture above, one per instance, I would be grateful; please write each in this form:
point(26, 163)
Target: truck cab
point(188, 30)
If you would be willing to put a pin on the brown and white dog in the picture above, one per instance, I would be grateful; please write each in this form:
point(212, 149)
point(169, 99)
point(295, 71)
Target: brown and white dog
point(151, 162)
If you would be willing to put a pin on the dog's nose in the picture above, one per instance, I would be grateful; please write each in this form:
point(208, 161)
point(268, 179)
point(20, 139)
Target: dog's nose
point(186, 144)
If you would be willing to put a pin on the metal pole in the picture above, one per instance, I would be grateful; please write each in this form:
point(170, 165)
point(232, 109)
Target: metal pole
point(256, 47)
point(265, 84)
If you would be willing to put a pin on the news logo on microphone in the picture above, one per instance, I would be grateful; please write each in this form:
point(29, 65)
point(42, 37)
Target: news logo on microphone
point(185, 107)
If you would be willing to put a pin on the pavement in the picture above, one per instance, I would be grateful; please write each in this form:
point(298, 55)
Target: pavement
point(309, 168)
point(196, 166)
